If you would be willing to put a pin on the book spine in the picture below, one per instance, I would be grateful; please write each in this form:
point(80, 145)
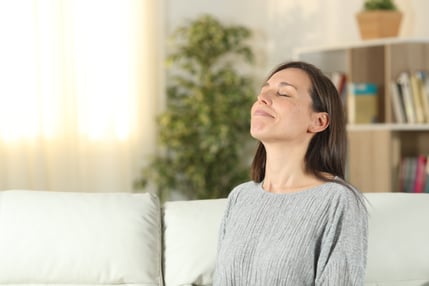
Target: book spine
point(417, 98)
point(424, 92)
point(404, 81)
point(420, 176)
point(397, 103)
point(402, 172)
point(409, 166)
point(427, 175)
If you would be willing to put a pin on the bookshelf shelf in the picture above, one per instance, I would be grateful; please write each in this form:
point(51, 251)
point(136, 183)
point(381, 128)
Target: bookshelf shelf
point(343, 47)
point(376, 150)
point(388, 127)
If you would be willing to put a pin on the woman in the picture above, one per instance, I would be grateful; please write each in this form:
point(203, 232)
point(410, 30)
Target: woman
point(297, 222)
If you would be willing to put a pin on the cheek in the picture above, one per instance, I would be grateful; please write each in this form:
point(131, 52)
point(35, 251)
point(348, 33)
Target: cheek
point(302, 110)
point(297, 117)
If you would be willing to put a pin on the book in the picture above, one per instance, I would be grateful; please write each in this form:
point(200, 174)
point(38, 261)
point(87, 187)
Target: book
point(404, 82)
point(402, 174)
point(417, 98)
point(426, 190)
point(397, 103)
point(423, 84)
point(420, 175)
point(362, 103)
point(408, 174)
point(411, 176)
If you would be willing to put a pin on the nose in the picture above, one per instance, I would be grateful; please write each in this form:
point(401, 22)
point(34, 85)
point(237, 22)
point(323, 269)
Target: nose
point(265, 98)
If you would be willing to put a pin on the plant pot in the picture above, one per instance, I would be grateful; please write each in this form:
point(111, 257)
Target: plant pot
point(379, 24)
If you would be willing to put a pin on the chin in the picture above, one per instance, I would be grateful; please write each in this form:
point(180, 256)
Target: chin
point(257, 134)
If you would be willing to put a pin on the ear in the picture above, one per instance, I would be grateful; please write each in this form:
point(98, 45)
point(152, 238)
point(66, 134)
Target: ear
point(320, 121)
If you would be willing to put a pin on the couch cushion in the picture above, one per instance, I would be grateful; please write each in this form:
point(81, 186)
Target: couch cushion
point(190, 241)
point(398, 246)
point(79, 238)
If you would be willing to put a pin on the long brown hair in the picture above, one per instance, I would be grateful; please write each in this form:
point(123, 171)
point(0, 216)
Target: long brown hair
point(327, 150)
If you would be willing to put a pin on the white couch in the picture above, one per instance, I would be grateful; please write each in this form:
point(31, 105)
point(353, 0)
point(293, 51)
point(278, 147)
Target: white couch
point(55, 238)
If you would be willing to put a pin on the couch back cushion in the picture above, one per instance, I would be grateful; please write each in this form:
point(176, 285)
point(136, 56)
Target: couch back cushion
point(190, 241)
point(398, 248)
point(79, 238)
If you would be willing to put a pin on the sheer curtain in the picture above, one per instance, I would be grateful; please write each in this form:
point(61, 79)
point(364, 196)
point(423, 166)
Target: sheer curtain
point(79, 88)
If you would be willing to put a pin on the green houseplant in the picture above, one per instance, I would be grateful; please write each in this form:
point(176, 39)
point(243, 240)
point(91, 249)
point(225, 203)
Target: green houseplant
point(379, 19)
point(205, 127)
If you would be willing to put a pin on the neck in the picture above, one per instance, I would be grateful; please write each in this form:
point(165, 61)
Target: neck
point(285, 170)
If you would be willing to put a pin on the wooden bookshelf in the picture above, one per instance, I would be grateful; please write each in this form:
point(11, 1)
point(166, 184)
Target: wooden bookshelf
point(375, 150)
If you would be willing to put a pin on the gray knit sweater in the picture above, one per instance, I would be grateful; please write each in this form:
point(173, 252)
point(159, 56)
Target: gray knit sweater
point(312, 237)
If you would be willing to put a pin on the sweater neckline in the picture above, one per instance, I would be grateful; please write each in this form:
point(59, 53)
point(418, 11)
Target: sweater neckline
point(301, 192)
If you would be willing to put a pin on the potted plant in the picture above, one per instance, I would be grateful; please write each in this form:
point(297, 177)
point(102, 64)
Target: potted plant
point(379, 19)
point(205, 127)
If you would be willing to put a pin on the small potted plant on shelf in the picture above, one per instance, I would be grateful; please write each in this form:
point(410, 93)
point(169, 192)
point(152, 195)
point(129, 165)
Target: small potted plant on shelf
point(379, 19)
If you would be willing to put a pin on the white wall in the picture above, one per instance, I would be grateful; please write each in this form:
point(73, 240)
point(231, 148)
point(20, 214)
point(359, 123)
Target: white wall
point(283, 25)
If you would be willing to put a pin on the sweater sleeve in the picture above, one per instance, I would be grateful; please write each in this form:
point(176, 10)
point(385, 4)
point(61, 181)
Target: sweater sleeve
point(343, 247)
point(232, 197)
point(222, 229)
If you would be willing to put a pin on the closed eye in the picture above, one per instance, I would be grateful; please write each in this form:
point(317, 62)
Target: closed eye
point(282, 94)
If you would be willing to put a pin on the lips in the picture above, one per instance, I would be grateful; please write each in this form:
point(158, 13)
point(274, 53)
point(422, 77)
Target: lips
point(263, 113)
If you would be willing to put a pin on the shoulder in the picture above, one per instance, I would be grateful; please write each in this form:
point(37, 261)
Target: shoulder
point(343, 191)
point(344, 197)
point(244, 187)
point(236, 193)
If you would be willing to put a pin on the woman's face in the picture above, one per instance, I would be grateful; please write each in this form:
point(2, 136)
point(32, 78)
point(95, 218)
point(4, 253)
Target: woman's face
point(283, 111)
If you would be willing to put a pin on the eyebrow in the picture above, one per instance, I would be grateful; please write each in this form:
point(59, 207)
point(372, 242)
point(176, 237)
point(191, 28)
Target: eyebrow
point(283, 83)
point(287, 84)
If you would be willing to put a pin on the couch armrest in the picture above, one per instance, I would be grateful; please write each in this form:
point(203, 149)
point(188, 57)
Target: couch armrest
point(79, 238)
point(398, 245)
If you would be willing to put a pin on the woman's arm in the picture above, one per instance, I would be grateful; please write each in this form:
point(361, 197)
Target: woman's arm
point(343, 248)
